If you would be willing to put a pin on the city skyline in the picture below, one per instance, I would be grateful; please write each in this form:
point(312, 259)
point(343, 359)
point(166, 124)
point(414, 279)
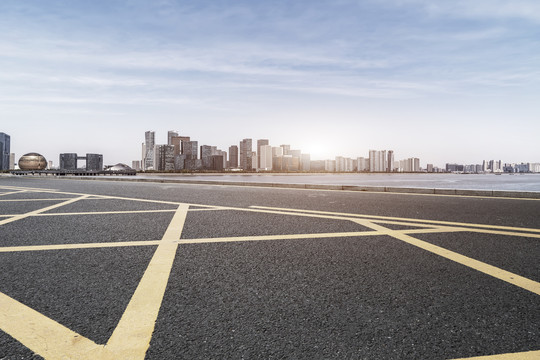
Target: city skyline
point(446, 82)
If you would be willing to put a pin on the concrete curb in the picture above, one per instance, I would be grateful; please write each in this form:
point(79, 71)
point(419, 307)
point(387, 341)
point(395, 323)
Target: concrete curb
point(385, 189)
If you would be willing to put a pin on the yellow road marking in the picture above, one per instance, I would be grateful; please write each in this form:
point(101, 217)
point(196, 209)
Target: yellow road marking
point(208, 209)
point(412, 221)
point(526, 355)
point(41, 334)
point(13, 192)
point(131, 338)
point(120, 347)
point(491, 270)
point(31, 213)
point(305, 236)
point(21, 200)
point(108, 212)
point(278, 237)
point(7, 249)
point(31, 189)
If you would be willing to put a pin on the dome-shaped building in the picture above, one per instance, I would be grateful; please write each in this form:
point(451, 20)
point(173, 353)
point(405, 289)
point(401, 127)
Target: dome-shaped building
point(119, 167)
point(32, 161)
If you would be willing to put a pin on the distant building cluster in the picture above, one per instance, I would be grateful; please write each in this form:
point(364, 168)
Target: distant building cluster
point(182, 153)
point(493, 166)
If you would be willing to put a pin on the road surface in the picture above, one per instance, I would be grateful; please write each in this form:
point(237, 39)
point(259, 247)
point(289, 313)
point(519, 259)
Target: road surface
point(125, 270)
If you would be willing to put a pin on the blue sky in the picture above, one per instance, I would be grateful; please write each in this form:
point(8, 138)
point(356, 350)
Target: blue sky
point(446, 81)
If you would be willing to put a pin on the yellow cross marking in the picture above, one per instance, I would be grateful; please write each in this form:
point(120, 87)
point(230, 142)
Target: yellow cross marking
point(527, 355)
point(131, 338)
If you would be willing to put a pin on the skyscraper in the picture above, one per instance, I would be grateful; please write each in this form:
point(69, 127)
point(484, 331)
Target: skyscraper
point(390, 161)
point(170, 135)
point(5, 148)
point(190, 149)
point(305, 163)
point(265, 157)
point(177, 142)
point(164, 158)
point(233, 156)
point(11, 161)
point(362, 164)
point(148, 149)
point(260, 142)
point(207, 152)
point(246, 162)
point(377, 161)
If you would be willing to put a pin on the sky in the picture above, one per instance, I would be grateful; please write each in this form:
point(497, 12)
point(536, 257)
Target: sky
point(445, 81)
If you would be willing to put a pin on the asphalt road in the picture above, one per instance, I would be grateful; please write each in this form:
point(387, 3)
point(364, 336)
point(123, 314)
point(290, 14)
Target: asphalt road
point(125, 270)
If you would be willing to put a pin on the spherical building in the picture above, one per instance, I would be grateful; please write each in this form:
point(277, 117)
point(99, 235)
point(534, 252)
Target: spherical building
point(32, 161)
point(119, 167)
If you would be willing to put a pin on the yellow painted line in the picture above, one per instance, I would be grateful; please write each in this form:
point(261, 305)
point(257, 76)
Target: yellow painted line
point(7, 249)
point(108, 212)
point(32, 213)
point(43, 335)
point(208, 209)
point(490, 270)
point(526, 355)
point(278, 237)
point(13, 192)
point(131, 338)
point(31, 189)
point(435, 222)
point(310, 236)
point(22, 200)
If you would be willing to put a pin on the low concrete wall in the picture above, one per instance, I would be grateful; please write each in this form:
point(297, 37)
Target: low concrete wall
point(386, 189)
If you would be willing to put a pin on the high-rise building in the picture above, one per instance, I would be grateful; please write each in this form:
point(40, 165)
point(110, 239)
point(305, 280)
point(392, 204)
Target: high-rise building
point(277, 151)
point(12, 161)
point(246, 162)
point(177, 142)
point(340, 164)
point(378, 161)
point(189, 148)
point(317, 165)
point(286, 149)
point(265, 157)
point(223, 154)
point(94, 162)
point(148, 150)
point(330, 165)
point(164, 157)
point(305, 162)
point(233, 156)
point(68, 161)
point(254, 160)
point(170, 135)
point(349, 165)
point(216, 163)
point(136, 165)
point(5, 148)
point(207, 152)
point(260, 142)
point(390, 161)
point(362, 164)
point(277, 163)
